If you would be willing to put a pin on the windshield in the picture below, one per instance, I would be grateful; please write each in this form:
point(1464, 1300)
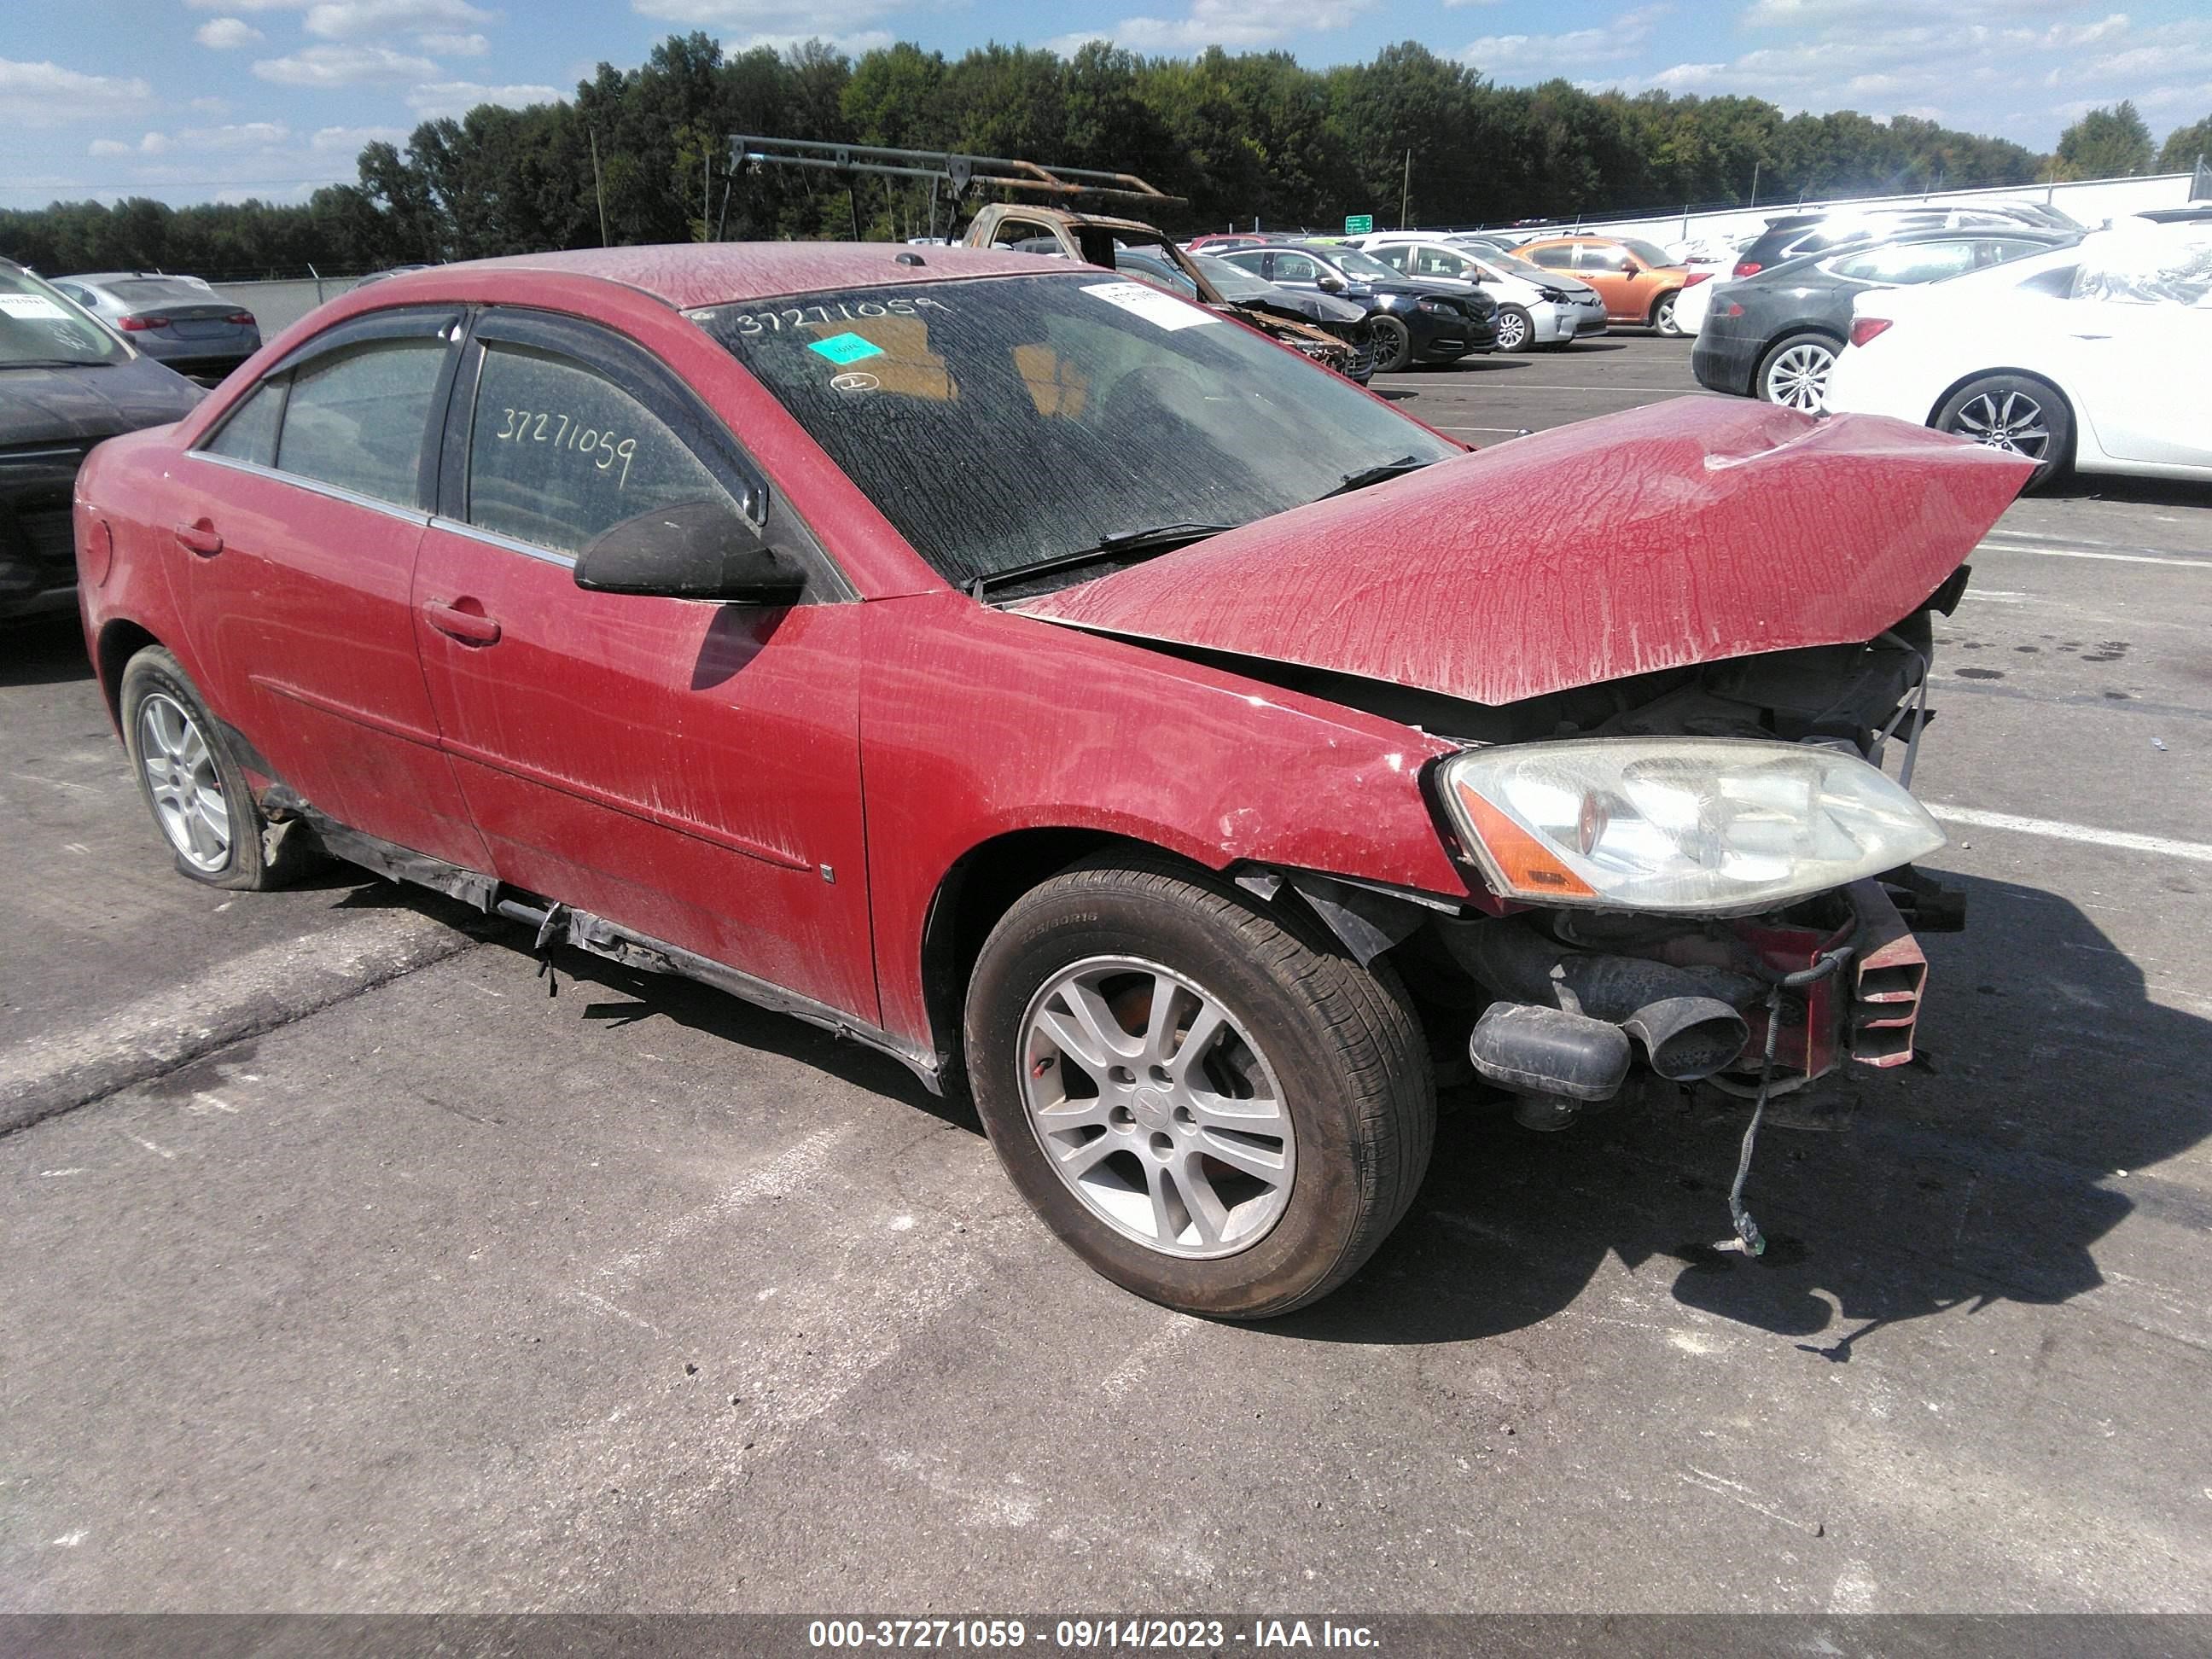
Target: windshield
point(1353, 263)
point(1154, 269)
point(40, 327)
point(1001, 422)
point(1649, 254)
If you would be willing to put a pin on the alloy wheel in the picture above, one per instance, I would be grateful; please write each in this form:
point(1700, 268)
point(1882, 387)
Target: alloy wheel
point(1798, 377)
point(1512, 332)
point(186, 788)
point(1153, 1104)
point(2010, 420)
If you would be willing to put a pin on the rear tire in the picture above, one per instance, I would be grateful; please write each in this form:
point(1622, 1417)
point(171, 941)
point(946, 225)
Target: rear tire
point(1663, 314)
point(192, 786)
point(1273, 1026)
point(1794, 373)
point(1394, 344)
point(1516, 329)
point(2017, 414)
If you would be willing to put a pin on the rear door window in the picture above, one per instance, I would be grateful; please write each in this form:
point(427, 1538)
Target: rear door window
point(358, 418)
point(1907, 263)
point(558, 453)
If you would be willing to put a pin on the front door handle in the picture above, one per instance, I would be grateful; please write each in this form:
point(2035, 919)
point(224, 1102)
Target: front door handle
point(200, 536)
point(463, 620)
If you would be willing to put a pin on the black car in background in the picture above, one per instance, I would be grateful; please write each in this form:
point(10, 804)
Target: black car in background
point(66, 382)
point(1795, 236)
point(1411, 321)
point(1776, 334)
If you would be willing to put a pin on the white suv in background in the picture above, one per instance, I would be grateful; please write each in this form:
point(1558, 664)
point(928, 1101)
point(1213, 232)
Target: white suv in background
point(1535, 307)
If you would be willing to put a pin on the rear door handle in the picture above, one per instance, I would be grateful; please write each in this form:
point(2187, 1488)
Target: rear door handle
point(470, 627)
point(200, 536)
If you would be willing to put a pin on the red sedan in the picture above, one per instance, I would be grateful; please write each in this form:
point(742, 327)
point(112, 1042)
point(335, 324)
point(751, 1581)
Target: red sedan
point(1066, 689)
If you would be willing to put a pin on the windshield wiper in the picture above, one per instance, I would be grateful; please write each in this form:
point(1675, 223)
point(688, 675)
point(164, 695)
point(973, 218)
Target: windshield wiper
point(1153, 538)
point(53, 363)
point(1375, 475)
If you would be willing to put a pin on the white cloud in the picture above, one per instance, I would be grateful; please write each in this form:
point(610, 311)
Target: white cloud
point(224, 33)
point(1514, 57)
point(355, 20)
point(851, 44)
point(350, 140)
point(454, 46)
point(244, 137)
point(245, 5)
point(1232, 23)
point(211, 106)
point(343, 66)
point(770, 22)
point(459, 97)
point(48, 95)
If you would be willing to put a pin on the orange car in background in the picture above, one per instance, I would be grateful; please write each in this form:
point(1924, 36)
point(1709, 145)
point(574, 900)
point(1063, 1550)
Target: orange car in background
point(1638, 280)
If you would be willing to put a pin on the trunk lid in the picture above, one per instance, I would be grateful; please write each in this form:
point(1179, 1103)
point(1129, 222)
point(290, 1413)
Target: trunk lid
point(1682, 532)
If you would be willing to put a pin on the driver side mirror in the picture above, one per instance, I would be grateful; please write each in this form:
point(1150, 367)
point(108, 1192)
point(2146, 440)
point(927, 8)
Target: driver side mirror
point(1328, 284)
point(696, 551)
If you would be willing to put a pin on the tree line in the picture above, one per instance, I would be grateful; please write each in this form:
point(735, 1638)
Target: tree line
point(641, 154)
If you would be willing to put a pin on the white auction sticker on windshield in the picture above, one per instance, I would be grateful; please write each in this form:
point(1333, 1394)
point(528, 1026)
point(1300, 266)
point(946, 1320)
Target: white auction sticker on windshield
point(1160, 310)
point(32, 305)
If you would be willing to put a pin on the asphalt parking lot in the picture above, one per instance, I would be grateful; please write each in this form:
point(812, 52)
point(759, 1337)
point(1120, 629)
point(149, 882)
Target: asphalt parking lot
point(362, 1274)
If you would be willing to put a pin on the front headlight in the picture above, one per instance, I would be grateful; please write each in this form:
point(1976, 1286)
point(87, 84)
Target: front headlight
point(1443, 308)
point(1710, 826)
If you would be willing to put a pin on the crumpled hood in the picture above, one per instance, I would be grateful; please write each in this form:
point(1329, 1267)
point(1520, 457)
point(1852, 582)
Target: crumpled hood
point(94, 400)
point(1682, 532)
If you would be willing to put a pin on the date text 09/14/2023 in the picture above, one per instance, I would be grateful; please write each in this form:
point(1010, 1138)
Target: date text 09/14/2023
point(1090, 1635)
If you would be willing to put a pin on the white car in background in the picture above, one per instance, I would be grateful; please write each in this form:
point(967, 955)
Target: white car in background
point(1709, 260)
point(2097, 356)
point(1535, 307)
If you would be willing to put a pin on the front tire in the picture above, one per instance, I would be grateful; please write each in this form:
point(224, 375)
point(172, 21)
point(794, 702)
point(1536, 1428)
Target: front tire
point(1216, 1108)
point(1394, 344)
point(1795, 372)
point(2017, 414)
point(191, 783)
point(1516, 329)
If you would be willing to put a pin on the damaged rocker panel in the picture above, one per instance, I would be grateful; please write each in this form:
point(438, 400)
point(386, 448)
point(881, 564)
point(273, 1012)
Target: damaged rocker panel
point(557, 923)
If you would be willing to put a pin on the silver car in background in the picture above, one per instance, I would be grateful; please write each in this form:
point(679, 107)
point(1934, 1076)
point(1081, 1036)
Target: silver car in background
point(177, 320)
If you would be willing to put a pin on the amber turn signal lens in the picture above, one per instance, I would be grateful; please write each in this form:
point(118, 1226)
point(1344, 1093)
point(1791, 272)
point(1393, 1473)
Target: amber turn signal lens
point(1528, 868)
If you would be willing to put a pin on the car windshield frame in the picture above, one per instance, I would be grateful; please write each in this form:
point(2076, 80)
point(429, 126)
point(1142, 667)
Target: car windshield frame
point(1008, 420)
point(75, 339)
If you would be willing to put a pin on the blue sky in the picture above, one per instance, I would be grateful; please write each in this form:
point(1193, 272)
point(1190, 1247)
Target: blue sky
point(201, 99)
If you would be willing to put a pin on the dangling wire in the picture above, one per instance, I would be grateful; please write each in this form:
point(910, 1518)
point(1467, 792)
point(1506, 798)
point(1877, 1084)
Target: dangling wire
point(1746, 1229)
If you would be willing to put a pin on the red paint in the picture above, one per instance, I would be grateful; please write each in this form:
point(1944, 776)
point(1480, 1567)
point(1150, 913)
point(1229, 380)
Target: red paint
point(786, 791)
point(1683, 532)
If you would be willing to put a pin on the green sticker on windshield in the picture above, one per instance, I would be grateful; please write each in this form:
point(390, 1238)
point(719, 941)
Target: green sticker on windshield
point(845, 347)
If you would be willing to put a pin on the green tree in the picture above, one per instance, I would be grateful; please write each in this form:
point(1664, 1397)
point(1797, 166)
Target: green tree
point(2105, 143)
point(2185, 145)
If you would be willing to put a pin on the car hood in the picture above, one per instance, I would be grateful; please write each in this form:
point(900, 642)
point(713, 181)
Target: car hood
point(94, 400)
point(1682, 532)
point(1315, 307)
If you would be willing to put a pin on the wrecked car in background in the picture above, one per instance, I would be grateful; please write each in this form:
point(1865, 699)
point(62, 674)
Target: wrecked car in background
point(1037, 677)
point(1335, 337)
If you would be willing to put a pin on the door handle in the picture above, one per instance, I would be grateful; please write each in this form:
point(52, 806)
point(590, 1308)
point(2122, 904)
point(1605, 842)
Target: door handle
point(200, 536)
point(470, 627)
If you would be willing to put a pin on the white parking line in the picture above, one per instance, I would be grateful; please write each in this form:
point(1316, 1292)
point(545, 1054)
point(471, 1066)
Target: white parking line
point(2055, 829)
point(2084, 553)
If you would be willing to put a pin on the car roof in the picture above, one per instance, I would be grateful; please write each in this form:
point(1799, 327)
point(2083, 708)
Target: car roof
point(687, 276)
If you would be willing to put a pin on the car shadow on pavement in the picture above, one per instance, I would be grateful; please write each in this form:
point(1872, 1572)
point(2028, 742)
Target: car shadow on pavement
point(2115, 487)
point(609, 999)
point(43, 651)
point(1988, 1170)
